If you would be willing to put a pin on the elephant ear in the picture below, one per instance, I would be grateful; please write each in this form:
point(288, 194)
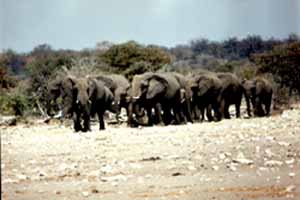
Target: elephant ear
point(204, 85)
point(69, 82)
point(53, 87)
point(92, 88)
point(157, 86)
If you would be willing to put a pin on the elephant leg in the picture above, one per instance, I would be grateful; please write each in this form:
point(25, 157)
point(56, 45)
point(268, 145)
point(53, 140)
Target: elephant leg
point(76, 121)
point(150, 117)
point(129, 111)
point(238, 107)
point(258, 108)
point(196, 113)
point(208, 113)
point(158, 115)
point(248, 106)
point(268, 106)
point(226, 111)
point(216, 109)
point(101, 120)
point(187, 110)
point(86, 124)
point(177, 114)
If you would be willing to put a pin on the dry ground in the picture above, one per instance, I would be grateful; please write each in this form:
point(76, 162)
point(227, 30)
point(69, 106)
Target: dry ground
point(256, 158)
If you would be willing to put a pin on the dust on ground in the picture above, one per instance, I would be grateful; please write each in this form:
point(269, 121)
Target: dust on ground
point(257, 158)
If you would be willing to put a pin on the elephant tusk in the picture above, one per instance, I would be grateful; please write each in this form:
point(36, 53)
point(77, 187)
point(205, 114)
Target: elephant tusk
point(137, 97)
point(77, 101)
point(58, 115)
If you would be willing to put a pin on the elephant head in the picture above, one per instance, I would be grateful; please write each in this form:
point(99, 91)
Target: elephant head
point(64, 88)
point(249, 89)
point(155, 87)
point(82, 91)
point(259, 91)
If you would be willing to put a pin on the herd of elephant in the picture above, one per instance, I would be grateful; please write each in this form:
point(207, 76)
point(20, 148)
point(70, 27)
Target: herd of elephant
point(157, 98)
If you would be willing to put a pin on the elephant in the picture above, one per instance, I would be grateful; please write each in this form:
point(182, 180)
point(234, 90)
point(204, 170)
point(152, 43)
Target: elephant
point(206, 94)
point(159, 92)
point(119, 86)
point(232, 93)
point(185, 96)
point(61, 87)
point(82, 98)
point(259, 92)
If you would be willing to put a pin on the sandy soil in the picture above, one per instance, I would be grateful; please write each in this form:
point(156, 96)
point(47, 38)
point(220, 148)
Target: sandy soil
point(256, 158)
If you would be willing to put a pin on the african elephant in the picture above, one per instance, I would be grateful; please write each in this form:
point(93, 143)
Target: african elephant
point(81, 98)
point(158, 92)
point(61, 87)
point(185, 96)
point(119, 86)
point(206, 94)
point(232, 93)
point(259, 91)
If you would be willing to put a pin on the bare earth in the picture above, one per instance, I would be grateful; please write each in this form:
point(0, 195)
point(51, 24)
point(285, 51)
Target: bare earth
point(256, 158)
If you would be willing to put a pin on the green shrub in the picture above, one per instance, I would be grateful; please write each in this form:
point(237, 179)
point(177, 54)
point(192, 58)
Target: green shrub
point(14, 103)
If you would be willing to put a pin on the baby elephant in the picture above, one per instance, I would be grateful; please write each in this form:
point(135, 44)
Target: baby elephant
point(259, 92)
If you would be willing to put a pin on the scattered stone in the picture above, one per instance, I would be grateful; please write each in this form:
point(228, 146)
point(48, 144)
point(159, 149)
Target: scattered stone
point(177, 174)
point(85, 194)
point(289, 162)
point(114, 178)
point(290, 188)
point(284, 144)
point(292, 174)
point(106, 169)
point(243, 161)
point(272, 163)
point(21, 177)
point(269, 153)
point(215, 167)
point(152, 158)
point(57, 192)
point(192, 168)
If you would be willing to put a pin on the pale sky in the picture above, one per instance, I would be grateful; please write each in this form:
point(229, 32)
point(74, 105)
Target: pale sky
point(78, 24)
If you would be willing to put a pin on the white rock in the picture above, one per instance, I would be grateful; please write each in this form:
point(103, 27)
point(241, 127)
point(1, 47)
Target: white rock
point(85, 194)
point(272, 163)
point(292, 174)
point(290, 188)
point(9, 181)
point(106, 169)
point(215, 167)
point(283, 144)
point(21, 177)
point(269, 153)
point(192, 168)
point(135, 166)
point(94, 173)
point(289, 162)
point(114, 178)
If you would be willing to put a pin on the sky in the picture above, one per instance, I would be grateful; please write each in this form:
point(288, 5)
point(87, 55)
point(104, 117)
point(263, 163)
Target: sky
point(78, 24)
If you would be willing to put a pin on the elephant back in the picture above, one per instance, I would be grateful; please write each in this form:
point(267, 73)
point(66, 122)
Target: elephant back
point(108, 82)
point(263, 84)
point(230, 84)
point(171, 83)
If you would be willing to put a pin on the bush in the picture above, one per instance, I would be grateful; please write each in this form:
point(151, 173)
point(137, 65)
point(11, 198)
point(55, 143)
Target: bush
point(14, 103)
point(137, 68)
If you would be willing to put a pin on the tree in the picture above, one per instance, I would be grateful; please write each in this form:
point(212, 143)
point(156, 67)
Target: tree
point(124, 55)
point(284, 63)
